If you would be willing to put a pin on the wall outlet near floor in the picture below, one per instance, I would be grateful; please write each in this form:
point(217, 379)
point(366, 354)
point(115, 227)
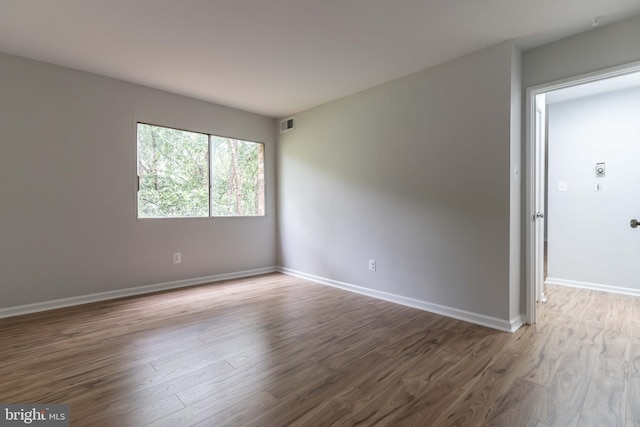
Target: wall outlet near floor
point(372, 265)
point(177, 257)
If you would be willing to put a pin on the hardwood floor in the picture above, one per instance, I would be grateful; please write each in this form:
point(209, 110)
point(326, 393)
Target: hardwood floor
point(276, 350)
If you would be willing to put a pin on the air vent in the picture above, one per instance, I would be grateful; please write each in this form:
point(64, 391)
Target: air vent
point(286, 125)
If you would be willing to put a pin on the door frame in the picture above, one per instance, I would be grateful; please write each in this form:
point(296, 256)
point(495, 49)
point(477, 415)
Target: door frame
point(533, 166)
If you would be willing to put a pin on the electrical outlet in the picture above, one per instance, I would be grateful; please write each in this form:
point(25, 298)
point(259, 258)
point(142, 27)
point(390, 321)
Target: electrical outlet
point(177, 258)
point(372, 265)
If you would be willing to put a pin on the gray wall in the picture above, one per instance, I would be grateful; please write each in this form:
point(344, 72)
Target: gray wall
point(590, 241)
point(67, 188)
point(601, 48)
point(415, 173)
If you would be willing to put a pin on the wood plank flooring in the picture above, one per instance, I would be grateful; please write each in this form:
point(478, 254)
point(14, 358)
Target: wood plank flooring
point(275, 350)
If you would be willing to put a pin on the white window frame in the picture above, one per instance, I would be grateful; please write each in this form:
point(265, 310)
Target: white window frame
point(210, 137)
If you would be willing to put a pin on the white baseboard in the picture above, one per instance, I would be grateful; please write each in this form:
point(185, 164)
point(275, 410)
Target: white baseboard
point(593, 286)
point(120, 293)
point(516, 322)
point(467, 316)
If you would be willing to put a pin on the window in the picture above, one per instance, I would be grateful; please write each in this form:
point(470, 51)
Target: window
point(190, 174)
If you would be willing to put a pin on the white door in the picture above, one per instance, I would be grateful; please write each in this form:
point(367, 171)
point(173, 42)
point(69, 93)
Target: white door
point(539, 198)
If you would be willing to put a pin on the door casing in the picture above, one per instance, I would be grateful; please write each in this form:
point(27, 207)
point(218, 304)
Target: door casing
point(535, 187)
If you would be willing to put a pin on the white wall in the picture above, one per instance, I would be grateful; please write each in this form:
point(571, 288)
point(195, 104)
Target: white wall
point(590, 240)
point(67, 188)
point(415, 173)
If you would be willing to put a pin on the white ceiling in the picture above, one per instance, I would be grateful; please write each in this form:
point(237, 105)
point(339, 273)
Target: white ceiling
point(278, 57)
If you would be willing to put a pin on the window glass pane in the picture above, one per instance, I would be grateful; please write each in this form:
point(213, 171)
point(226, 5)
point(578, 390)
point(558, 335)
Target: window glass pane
point(237, 177)
point(173, 171)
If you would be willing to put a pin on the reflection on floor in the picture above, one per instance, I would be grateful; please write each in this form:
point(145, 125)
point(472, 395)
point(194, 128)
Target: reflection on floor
point(277, 350)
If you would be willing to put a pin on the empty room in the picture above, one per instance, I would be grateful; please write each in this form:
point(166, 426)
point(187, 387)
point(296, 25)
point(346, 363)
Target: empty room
point(309, 213)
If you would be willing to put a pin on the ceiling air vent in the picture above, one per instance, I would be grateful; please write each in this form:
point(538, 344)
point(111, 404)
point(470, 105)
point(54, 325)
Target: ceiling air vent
point(286, 125)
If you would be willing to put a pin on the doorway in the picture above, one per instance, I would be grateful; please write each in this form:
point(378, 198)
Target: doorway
point(537, 102)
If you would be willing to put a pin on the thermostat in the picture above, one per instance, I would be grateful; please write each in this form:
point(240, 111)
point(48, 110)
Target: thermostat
point(600, 169)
